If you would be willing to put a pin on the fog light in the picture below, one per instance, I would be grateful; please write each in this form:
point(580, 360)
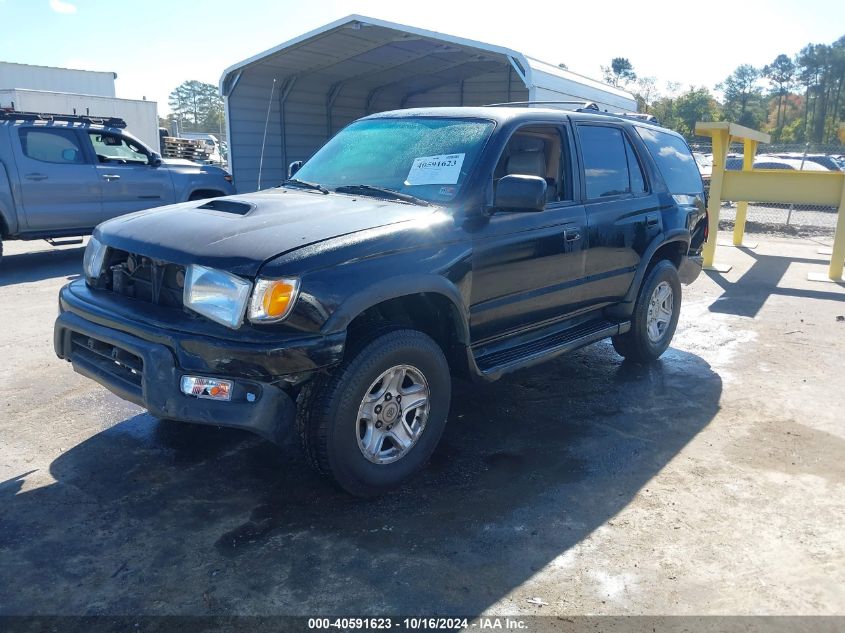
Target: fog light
point(212, 388)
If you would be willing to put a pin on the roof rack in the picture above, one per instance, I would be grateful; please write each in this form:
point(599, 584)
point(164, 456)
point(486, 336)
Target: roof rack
point(592, 108)
point(525, 103)
point(589, 107)
point(13, 115)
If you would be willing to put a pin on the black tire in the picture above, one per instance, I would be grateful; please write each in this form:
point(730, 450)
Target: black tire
point(636, 344)
point(327, 416)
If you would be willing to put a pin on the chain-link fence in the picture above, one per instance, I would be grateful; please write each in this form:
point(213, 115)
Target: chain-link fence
point(769, 217)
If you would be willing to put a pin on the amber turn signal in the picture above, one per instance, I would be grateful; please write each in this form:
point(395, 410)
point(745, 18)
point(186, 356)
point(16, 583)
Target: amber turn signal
point(272, 299)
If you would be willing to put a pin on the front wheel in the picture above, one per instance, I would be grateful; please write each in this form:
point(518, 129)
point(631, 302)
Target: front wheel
point(377, 419)
point(655, 315)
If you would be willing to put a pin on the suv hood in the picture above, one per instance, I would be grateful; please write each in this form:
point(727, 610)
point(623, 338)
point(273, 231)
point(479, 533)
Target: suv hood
point(239, 233)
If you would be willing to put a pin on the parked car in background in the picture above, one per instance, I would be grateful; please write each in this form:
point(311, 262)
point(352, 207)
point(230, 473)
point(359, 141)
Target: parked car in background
point(61, 176)
point(414, 245)
point(704, 162)
point(825, 160)
point(216, 152)
point(767, 161)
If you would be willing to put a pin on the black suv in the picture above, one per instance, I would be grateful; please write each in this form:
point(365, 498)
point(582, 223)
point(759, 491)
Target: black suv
point(414, 245)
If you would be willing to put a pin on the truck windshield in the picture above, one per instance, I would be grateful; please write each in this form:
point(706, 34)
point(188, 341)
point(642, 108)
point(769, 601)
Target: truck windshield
point(428, 158)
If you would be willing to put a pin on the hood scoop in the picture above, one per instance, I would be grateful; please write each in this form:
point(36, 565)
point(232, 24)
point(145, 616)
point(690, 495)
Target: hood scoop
point(228, 206)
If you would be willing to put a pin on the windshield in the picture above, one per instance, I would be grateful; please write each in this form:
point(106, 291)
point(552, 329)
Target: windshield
point(425, 157)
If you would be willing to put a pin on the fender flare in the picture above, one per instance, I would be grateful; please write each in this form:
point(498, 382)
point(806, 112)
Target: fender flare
point(675, 235)
point(394, 288)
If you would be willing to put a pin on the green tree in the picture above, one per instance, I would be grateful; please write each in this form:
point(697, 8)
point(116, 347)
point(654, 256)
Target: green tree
point(645, 92)
point(781, 75)
point(196, 107)
point(743, 96)
point(697, 104)
point(620, 72)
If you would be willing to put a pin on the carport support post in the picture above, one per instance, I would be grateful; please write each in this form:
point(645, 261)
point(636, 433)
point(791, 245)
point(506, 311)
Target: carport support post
point(721, 143)
point(749, 150)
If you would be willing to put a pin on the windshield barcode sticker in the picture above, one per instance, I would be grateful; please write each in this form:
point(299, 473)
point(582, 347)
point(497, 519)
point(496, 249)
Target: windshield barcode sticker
point(436, 170)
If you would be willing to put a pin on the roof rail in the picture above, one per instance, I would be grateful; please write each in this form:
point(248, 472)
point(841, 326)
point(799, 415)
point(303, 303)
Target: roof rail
point(586, 106)
point(525, 103)
point(13, 115)
point(641, 116)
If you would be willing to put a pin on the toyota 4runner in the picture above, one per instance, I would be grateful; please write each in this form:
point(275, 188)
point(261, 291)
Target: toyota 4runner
point(413, 246)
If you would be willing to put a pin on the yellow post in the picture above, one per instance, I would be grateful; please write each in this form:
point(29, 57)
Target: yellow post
point(721, 143)
point(721, 132)
point(749, 150)
point(837, 254)
point(837, 257)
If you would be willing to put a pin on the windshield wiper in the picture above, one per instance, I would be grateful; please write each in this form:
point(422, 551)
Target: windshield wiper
point(383, 191)
point(305, 185)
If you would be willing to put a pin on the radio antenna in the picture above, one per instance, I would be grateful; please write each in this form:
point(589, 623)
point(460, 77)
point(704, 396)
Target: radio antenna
point(264, 140)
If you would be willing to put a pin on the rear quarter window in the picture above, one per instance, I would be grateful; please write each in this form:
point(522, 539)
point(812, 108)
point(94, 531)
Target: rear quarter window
point(674, 160)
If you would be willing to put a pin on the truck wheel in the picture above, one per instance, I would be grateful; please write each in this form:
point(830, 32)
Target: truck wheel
point(655, 315)
point(378, 417)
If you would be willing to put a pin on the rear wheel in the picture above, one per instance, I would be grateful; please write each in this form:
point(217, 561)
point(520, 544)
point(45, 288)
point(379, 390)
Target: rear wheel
point(655, 315)
point(377, 419)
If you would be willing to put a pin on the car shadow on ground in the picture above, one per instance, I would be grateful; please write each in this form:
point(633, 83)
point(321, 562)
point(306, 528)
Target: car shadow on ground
point(27, 267)
point(155, 518)
point(747, 295)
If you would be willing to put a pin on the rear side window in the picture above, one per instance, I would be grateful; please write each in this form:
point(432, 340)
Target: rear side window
point(611, 167)
point(51, 146)
point(674, 160)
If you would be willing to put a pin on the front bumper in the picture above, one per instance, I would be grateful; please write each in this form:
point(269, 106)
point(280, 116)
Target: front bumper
point(144, 363)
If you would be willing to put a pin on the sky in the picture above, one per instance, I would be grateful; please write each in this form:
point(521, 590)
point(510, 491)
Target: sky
point(154, 45)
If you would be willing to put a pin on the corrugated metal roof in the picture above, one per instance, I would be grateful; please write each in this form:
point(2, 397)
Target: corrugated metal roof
point(283, 103)
point(382, 53)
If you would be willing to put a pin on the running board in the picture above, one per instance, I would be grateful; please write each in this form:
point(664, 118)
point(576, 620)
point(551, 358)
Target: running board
point(69, 242)
point(503, 361)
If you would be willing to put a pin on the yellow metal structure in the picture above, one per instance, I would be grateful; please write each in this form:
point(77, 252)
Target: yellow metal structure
point(766, 185)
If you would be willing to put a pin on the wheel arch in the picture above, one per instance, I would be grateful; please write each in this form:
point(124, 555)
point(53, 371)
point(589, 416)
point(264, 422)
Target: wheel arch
point(672, 246)
point(434, 306)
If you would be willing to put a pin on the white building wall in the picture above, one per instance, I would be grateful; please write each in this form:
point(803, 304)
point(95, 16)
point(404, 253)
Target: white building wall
point(29, 77)
point(141, 116)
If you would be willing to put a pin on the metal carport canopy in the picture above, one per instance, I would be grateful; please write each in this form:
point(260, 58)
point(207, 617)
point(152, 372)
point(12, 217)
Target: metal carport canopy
point(282, 104)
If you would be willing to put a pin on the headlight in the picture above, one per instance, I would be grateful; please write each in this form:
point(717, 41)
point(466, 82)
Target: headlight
point(95, 255)
point(216, 294)
point(272, 299)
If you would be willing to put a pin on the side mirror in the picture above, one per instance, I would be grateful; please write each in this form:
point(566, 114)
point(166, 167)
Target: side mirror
point(155, 159)
point(70, 155)
point(294, 167)
point(520, 193)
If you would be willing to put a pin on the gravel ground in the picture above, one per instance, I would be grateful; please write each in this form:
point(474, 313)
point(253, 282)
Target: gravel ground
point(710, 482)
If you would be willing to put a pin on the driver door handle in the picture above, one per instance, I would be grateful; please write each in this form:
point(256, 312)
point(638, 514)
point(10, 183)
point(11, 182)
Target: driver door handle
point(36, 176)
point(570, 235)
point(111, 177)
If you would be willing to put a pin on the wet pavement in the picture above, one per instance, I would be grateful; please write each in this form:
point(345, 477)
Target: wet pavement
point(707, 482)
